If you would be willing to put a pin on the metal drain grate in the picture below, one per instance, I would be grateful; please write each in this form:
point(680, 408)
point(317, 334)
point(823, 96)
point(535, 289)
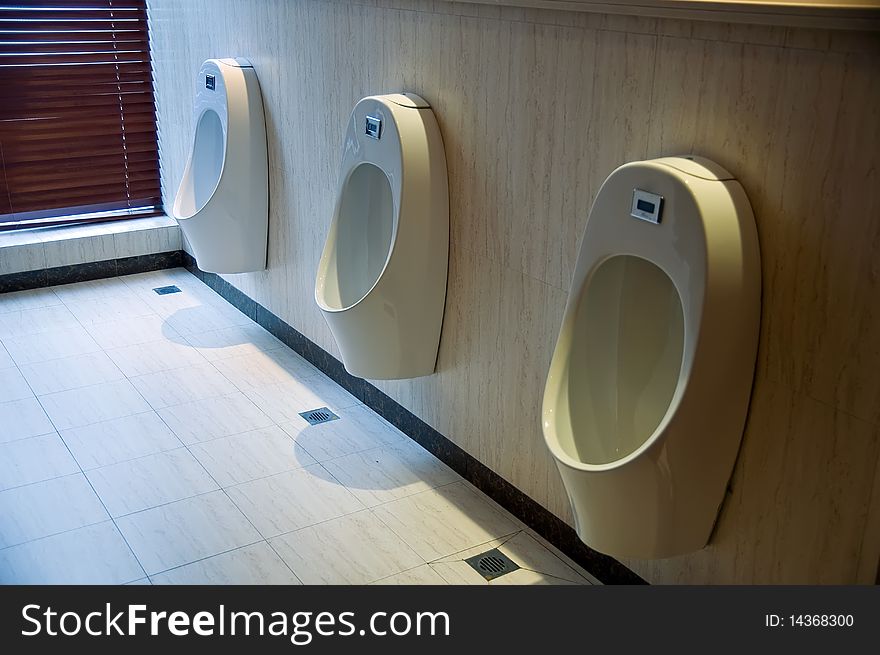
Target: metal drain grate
point(492, 564)
point(318, 416)
point(164, 291)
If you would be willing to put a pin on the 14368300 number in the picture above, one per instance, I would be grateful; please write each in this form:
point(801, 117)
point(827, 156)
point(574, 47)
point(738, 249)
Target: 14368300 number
point(821, 620)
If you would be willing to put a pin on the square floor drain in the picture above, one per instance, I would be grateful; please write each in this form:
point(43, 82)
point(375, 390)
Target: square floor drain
point(164, 291)
point(318, 416)
point(492, 564)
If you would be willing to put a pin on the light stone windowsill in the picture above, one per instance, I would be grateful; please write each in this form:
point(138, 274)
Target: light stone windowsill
point(37, 249)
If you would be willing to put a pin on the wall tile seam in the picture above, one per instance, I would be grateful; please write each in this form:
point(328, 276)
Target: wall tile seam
point(505, 265)
point(871, 511)
point(763, 374)
point(794, 390)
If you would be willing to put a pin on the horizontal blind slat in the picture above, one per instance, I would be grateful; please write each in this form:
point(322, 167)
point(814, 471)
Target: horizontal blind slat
point(99, 174)
point(20, 13)
point(60, 49)
point(99, 71)
point(73, 124)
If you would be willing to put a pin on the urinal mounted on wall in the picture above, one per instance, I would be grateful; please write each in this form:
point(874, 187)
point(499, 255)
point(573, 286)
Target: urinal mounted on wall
point(649, 384)
point(381, 281)
point(222, 204)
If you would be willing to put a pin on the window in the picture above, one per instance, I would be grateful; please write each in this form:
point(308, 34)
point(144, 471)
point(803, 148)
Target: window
point(77, 113)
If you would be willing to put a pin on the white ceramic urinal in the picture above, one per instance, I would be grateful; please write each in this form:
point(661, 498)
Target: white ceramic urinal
point(381, 281)
point(223, 201)
point(649, 385)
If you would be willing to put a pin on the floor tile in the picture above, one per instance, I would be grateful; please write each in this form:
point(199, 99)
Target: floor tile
point(354, 549)
point(321, 391)
point(108, 309)
point(256, 564)
point(446, 520)
point(182, 385)
point(212, 418)
point(132, 331)
point(95, 554)
point(153, 279)
point(233, 342)
point(391, 472)
point(145, 582)
point(350, 434)
point(283, 402)
point(279, 401)
point(205, 318)
point(293, 500)
point(179, 533)
point(459, 572)
point(564, 558)
point(251, 455)
point(70, 373)
point(370, 422)
point(30, 299)
point(420, 575)
point(193, 291)
point(20, 323)
point(87, 405)
point(33, 460)
point(263, 368)
point(34, 348)
point(13, 385)
point(530, 553)
point(23, 418)
point(537, 564)
point(45, 508)
point(102, 289)
point(119, 440)
point(155, 356)
point(188, 298)
point(146, 482)
point(526, 577)
point(6, 360)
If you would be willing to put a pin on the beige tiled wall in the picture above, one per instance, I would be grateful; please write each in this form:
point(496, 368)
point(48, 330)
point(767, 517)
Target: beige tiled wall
point(536, 108)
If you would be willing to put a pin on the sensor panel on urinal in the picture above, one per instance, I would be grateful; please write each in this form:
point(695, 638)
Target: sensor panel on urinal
point(649, 384)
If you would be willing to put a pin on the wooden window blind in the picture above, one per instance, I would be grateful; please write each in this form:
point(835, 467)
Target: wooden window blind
point(77, 113)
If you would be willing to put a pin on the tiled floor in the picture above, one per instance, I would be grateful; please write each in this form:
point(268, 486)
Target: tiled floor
point(148, 438)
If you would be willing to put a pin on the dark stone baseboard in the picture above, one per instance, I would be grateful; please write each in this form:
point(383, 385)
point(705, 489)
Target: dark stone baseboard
point(49, 277)
point(557, 532)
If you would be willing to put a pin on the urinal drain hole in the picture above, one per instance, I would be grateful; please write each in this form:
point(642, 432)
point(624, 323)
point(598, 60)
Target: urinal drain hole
point(492, 564)
point(318, 416)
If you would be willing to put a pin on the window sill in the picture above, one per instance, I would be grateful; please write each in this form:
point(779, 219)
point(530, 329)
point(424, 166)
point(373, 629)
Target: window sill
point(50, 247)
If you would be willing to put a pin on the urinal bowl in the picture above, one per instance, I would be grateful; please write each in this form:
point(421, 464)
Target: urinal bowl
point(649, 384)
point(222, 204)
point(381, 281)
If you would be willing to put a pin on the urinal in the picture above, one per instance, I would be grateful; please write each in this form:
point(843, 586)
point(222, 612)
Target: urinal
point(649, 384)
point(222, 204)
point(381, 281)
